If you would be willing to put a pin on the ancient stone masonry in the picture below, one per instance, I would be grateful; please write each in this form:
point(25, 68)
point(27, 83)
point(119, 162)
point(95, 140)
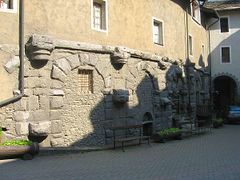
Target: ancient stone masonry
point(74, 90)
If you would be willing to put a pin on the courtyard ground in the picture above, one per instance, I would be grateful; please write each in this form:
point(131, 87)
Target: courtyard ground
point(212, 156)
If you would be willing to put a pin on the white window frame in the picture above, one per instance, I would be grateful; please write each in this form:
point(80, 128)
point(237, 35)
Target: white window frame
point(14, 10)
point(190, 54)
point(154, 19)
point(230, 55)
point(106, 16)
point(197, 17)
point(228, 25)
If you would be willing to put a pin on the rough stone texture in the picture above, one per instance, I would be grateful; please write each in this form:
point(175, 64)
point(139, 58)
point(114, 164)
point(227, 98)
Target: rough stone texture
point(33, 103)
point(56, 102)
point(22, 128)
point(39, 128)
point(58, 74)
point(12, 64)
point(56, 126)
point(21, 115)
point(64, 65)
point(73, 61)
point(40, 115)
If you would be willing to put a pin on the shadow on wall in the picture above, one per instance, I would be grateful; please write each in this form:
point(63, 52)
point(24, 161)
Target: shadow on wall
point(146, 104)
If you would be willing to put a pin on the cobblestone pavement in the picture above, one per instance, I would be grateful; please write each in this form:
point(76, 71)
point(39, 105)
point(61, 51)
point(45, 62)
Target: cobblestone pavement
point(210, 156)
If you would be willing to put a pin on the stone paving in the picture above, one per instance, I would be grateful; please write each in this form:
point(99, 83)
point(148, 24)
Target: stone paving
point(212, 156)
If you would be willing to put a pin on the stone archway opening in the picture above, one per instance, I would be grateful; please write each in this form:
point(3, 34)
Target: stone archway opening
point(225, 94)
point(147, 124)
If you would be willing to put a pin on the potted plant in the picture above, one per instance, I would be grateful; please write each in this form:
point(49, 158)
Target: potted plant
point(166, 134)
point(217, 122)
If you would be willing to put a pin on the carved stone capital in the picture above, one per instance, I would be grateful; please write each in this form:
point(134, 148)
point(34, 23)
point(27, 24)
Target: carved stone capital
point(39, 47)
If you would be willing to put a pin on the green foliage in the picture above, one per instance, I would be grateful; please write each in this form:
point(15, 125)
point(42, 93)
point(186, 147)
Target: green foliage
point(169, 132)
point(16, 143)
point(217, 122)
point(0, 131)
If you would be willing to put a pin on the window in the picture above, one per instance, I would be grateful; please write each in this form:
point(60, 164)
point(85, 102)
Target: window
point(190, 41)
point(99, 15)
point(8, 5)
point(86, 81)
point(195, 9)
point(224, 24)
point(157, 32)
point(225, 54)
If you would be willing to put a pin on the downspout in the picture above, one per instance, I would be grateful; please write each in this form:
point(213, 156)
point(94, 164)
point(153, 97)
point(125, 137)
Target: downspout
point(209, 58)
point(21, 57)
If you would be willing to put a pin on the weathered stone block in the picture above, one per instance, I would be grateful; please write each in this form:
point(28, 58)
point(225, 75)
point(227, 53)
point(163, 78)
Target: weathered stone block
point(33, 103)
point(21, 105)
point(56, 92)
point(56, 127)
point(44, 102)
point(58, 142)
point(55, 115)
point(84, 58)
point(21, 116)
point(40, 91)
point(58, 74)
point(12, 64)
point(40, 115)
point(28, 92)
point(39, 128)
point(56, 102)
point(63, 65)
point(42, 83)
point(56, 84)
point(30, 82)
point(22, 128)
point(73, 61)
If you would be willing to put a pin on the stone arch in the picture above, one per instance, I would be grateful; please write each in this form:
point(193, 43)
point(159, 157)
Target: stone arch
point(228, 75)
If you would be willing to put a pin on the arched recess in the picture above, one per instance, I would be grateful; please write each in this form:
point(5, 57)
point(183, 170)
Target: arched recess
point(225, 93)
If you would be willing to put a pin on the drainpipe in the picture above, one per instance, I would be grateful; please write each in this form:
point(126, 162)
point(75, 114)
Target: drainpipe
point(209, 58)
point(21, 57)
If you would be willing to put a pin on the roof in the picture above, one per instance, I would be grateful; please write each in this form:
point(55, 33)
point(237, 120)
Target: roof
point(223, 5)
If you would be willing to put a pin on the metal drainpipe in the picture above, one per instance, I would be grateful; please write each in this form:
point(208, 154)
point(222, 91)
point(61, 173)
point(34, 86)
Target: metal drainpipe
point(210, 60)
point(21, 56)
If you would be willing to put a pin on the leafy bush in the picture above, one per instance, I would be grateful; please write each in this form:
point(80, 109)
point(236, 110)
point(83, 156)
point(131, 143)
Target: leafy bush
point(168, 132)
point(0, 131)
point(16, 143)
point(217, 122)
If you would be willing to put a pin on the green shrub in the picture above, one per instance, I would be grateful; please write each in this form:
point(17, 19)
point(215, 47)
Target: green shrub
point(169, 131)
point(0, 131)
point(16, 143)
point(217, 122)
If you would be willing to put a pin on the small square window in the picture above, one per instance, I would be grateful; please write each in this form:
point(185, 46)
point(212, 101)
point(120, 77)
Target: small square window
point(8, 5)
point(225, 53)
point(195, 10)
point(99, 15)
point(224, 26)
point(86, 81)
point(157, 32)
point(190, 45)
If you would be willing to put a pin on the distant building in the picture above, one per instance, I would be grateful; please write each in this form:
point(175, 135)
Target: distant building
point(225, 57)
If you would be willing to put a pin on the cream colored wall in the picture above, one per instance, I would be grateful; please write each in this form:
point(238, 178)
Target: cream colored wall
point(130, 25)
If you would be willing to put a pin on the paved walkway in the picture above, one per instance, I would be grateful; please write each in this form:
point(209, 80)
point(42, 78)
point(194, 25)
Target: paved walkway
point(205, 157)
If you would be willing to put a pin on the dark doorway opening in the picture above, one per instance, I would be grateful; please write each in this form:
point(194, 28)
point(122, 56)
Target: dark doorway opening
point(225, 94)
point(147, 124)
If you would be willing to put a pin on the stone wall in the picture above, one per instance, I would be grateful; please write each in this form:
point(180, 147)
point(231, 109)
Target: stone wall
point(128, 87)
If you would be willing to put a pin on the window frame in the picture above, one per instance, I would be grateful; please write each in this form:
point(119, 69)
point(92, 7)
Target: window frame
point(159, 22)
point(196, 15)
point(105, 30)
point(230, 55)
point(90, 86)
point(190, 49)
point(13, 10)
point(220, 29)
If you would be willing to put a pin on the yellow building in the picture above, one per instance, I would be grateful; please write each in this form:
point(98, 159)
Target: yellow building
point(80, 54)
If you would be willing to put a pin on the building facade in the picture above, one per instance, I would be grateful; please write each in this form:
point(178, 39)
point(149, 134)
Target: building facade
point(225, 37)
point(91, 64)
